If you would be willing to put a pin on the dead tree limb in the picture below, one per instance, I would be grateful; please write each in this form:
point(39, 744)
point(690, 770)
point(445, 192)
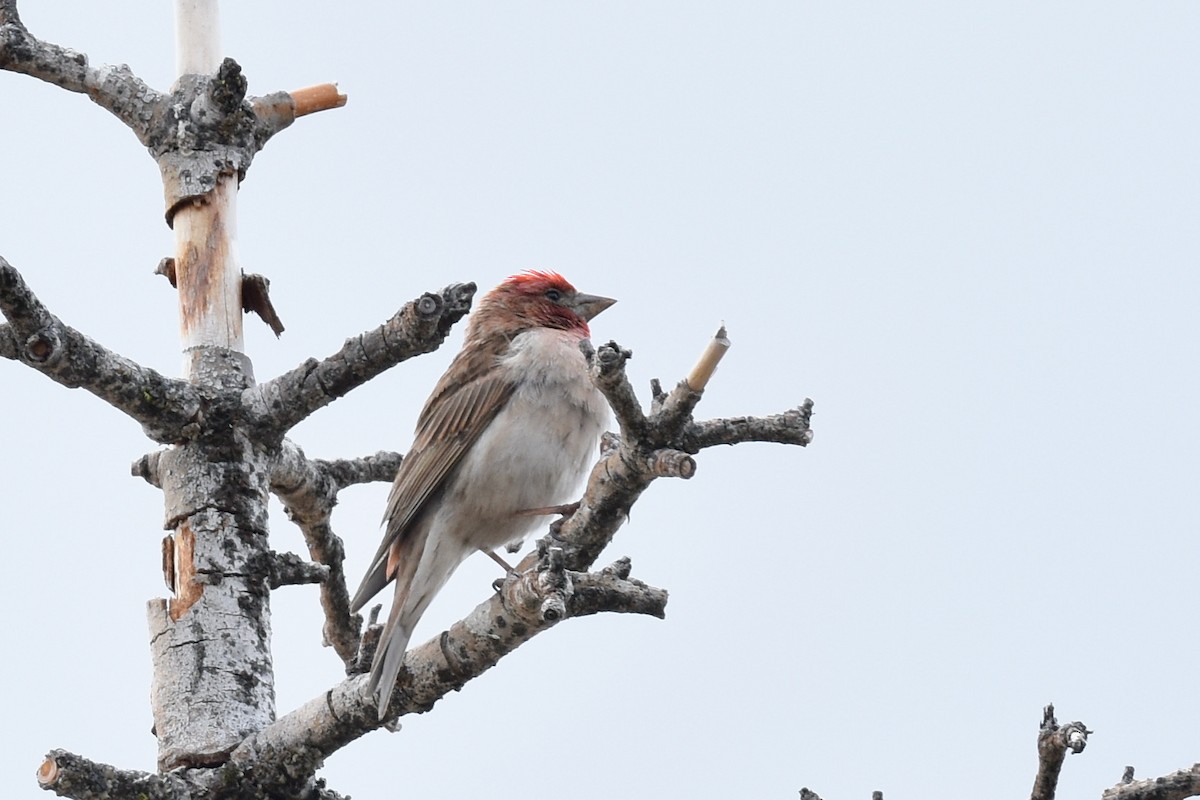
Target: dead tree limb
point(167, 409)
point(1053, 743)
point(213, 687)
point(1175, 786)
point(308, 490)
point(645, 445)
point(419, 327)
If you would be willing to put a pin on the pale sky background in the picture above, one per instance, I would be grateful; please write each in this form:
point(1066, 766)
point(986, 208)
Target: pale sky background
point(967, 230)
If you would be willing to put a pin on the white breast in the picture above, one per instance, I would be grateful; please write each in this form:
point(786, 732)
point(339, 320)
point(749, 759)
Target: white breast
point(537, 450)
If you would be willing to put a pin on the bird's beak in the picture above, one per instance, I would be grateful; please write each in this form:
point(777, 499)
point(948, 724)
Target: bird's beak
point(589, 305)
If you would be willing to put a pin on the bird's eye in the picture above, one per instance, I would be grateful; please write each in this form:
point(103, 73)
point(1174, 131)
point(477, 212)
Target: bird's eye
point(553, 295)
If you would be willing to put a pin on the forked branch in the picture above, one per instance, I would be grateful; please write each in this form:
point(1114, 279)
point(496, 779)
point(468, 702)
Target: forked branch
point(655, 445)
point(308, 490)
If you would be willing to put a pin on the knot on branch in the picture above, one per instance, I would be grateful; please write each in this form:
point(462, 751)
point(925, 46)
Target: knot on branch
point(612, 357)
point(228, 88)
point(671, 464)
point(457, 298)
point(619, 569)
point(429, 305)
point(553, 583)
point(431, 316)
point(209, 131)
point(148, 468)
point(43, 347)
point(1075, 736)
point(543, 591)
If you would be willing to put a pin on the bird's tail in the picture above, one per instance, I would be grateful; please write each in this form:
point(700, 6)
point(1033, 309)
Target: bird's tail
point(389, 658)
point(414, 591)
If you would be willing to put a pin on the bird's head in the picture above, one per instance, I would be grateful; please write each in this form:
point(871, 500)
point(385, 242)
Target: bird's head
point(536, 299)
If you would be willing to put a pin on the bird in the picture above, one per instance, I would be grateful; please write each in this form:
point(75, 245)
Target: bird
point(508, 432)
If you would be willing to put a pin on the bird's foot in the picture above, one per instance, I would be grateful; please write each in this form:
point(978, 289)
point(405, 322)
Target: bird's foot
point(509, 571)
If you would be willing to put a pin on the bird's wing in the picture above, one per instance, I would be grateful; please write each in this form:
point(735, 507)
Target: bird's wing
point(463, 404)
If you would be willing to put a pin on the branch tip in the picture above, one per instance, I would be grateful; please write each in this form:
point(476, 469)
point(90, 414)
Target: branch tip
point(322, 97)
point(47, 774)
point(700, 375)
point(147, 468)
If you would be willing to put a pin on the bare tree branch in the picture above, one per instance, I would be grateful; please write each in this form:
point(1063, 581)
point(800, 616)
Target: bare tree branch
point(8, 343)
point(378, 468)
point(1053, 742)
point(308, 490)
point(288, 569)
point(790, 427)
point(419, 327)
point(70, 775)
point(321, 97)
point(204, 134)
point(167, 409)
point(526, 605)
point(650, 447)
point(608, 374)
point(702, 373)
point(115, 89)
point(1175, 786)
point(204, 129)
point(612, 590)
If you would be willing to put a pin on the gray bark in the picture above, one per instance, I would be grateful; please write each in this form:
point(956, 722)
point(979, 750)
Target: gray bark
point(227, 450)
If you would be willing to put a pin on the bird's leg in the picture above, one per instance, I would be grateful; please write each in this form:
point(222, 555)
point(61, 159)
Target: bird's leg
point(565, 511)
point(508, 570)
point(492, 555)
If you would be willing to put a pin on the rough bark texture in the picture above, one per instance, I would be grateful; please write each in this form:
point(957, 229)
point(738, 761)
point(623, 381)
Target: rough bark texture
point(167, 409)
point(212, 695)
point(1053, 743)
point(308, 490)
point(1179, 784)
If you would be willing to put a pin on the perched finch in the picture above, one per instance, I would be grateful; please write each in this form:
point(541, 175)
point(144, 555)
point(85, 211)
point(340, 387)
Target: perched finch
point(511, 427)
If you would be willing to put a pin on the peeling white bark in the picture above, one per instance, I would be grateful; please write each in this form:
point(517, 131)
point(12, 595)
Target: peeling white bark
point(213, 681)
point(197, 37)
point(213, 684)
point(210, 283)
